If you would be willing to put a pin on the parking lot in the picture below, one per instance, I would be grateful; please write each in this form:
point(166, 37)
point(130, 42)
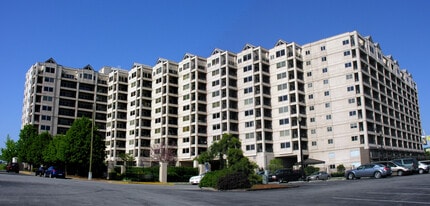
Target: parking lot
point(20, 189)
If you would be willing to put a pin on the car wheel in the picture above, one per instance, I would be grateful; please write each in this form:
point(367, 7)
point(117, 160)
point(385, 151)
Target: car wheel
point(421, 171)
point(281, 181)
point(50, 175)
point(377, 175)
point(400, 173)
point(351, 176)
point(317, 178)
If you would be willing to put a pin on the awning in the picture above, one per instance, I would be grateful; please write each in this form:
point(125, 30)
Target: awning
point(311, 161)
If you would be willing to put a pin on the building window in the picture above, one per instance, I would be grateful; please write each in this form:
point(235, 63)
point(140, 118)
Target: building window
point(330, 141)
point(345, 42)
point(214, 83)
point(247, 90)
point(348, 64)
point(215, 104)
point(285, 145)
point(354, 138)
point(314, 143)
point(309, 85)
point(186, 129)
point(326, 93)
point(323, 48)
point(325, 81)
point(215, 72)
point(185, 150)
point(311, 108)
point(311, 96)
point(245, 80)
point(309, 74)
point(186, 107)
point(216, 115)
point(312, 119)
point(249, 135)
point(282, 86)
point(323, 59)
point(249, 124)
point(249, 112)
point(250, 147)
point(284, 121)
point(329, 129)
point(327, 105)
point(247, 68)
point(351, 100)
point(353, 125)
point(346, 53)
point(280, 64)
point(313, 131)
point(308, 63)
point(328, 117)
point(280, 53)
point(283, 109)
point(307, 52)
point(284, 133)
point(215, 93)
point(352, 113)
point(283, 98)
point(349, 76)
point(281, 75)
point(249, 101)
point(332, 167)
point(350, 88)
point(324, 70)
point(216, 126)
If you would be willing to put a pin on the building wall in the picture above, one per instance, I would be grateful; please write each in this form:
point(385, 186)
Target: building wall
point(339, 99)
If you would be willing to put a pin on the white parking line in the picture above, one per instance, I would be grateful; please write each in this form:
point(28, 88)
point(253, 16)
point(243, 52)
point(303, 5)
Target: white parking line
point(379, 200)
point(399, 193)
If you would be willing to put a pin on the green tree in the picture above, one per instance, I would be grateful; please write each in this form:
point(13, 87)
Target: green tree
point(10, 151)
point(26, 137)
point(220, 148)
point(77, 153)
point(275, 164)
point(55, 151)
point(37, 147)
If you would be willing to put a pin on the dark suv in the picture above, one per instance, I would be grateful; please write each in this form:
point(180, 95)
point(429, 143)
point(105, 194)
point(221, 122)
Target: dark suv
point(12, 167)
point(286, 175)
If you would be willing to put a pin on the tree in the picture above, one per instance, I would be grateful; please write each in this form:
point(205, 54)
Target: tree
point(219, 149)
point(10, 151)
point(77, 152)
point(37, 147)
point(55, 151)
point(162, 153)
point(275, 164)
point(27, 134)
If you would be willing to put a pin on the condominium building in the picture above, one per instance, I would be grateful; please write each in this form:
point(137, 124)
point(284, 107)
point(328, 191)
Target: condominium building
point(338, 100)
point(55, 95)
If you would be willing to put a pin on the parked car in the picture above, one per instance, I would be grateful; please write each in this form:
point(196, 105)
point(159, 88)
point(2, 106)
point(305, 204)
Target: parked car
point(410, 163)
point(40, 171)
point(286, 175)
point(12, 167)
point(318, 176)
point(396, 168)
point(195, 180)
point(368, 170)
point(423, 168)
point(54, 171)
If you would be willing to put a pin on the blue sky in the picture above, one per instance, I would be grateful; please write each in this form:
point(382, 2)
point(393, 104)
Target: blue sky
point(119, 33)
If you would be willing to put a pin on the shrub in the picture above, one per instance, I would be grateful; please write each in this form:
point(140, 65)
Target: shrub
point(311, 169)
point(235, 180)
point(340, 168)
point(337, 174)
point(180, 174)
point(211, 178)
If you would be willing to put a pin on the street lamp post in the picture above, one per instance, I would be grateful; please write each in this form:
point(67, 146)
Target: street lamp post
point(90, 172)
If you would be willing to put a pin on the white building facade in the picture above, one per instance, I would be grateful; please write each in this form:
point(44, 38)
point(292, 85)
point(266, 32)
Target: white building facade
point(339, 100)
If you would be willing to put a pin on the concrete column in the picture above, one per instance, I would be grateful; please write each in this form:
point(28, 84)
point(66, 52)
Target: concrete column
point(163, 172)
